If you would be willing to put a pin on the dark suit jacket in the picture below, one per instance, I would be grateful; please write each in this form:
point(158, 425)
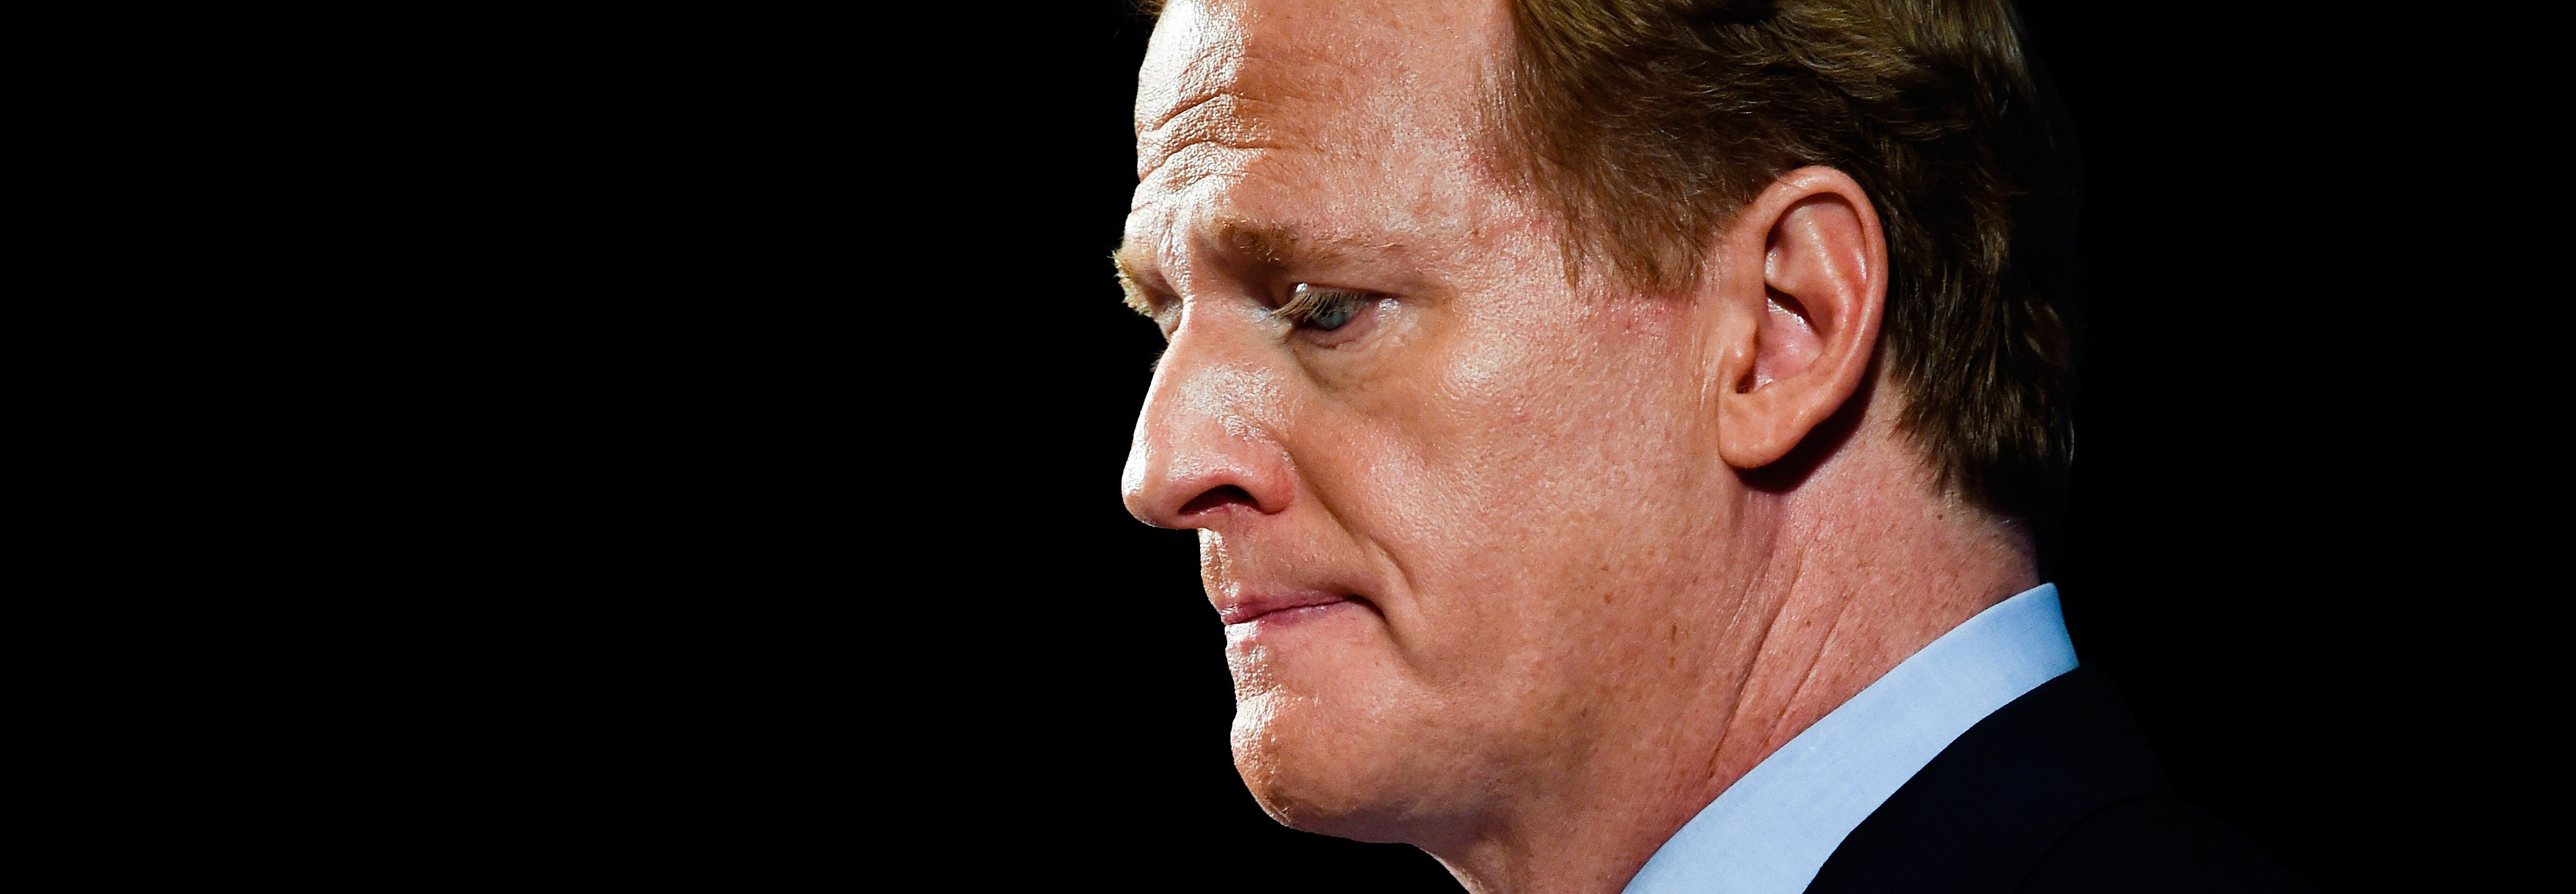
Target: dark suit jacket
point(2054, 792)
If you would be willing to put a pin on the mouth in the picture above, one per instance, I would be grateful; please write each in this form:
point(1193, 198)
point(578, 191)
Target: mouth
point(1286, 605)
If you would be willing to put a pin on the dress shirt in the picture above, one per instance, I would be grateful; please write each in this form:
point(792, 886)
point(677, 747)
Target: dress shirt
point(1770, 831)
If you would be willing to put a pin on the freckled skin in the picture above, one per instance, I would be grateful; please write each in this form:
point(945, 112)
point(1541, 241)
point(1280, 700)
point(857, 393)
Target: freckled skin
point(1580, 622)
point(1467, 426)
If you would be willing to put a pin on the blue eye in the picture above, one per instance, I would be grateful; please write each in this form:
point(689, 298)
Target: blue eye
point(1322, 309)
point(1333, 315)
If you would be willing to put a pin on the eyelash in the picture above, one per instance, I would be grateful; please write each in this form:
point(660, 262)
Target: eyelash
point(1310, 305)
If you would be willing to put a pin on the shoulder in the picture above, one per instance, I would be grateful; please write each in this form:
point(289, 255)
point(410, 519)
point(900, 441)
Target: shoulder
point(2056, 791)
point(2158, 843)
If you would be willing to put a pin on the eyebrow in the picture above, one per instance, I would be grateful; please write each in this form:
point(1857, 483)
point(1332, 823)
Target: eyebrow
point(1128, 281)
point(1267, 243)
point(1278, 244)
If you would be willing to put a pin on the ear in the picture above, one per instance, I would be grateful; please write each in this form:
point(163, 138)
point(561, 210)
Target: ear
point(1800, 283)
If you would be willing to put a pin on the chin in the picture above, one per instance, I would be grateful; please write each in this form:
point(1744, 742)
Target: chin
point(1329, 775)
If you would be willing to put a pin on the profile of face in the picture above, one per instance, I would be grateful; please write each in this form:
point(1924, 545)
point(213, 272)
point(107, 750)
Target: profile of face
point(1452, 510)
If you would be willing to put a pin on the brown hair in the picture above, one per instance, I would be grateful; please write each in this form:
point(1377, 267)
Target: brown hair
point(1651, 121)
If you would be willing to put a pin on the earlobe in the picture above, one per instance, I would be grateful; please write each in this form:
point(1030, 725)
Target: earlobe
point(1808, 323)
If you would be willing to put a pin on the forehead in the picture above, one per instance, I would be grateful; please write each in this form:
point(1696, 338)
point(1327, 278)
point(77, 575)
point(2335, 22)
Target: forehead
point(1215, 61)
point(1248, 108)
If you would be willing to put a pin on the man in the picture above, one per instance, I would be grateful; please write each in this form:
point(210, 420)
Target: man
point(1617, 435)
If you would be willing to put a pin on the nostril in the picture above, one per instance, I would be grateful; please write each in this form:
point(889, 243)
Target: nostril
point(1215, 497)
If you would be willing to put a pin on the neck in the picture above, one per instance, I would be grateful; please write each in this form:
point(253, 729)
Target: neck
point(1842, 584)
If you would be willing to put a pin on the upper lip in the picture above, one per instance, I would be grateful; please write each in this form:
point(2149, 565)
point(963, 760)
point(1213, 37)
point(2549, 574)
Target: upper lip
point(1248, 606)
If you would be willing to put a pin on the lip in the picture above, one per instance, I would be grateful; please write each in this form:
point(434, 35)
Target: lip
point(1251, 607)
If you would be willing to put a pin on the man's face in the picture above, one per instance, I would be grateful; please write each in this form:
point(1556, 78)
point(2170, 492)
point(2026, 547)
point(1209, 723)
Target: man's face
point(1448, 505)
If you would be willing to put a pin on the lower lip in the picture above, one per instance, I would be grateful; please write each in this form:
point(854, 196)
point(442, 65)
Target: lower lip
point(1287, 619)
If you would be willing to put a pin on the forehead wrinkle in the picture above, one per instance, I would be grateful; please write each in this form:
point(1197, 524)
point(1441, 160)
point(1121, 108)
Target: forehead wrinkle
point(1212, 76)
point(1223, 121)
point(1265, 102)
point(1191, 56)
point(1180, 107)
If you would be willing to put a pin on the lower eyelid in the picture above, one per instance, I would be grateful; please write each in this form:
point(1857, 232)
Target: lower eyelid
point(1364, 319)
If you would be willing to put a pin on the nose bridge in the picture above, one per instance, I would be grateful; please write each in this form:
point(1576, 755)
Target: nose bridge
point(1207, 423)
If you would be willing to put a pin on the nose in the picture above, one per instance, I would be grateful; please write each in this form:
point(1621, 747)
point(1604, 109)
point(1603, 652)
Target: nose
point(1205, 448)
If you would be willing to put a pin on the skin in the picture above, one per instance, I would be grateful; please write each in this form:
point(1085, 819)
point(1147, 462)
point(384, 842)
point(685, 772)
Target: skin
point(1585, 556)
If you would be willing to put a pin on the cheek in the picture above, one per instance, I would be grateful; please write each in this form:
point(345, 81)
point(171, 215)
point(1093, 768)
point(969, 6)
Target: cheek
point(1507, 476)
point(1543, 418)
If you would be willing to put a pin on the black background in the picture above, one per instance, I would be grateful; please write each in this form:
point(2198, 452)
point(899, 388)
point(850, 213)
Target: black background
point(839, 481)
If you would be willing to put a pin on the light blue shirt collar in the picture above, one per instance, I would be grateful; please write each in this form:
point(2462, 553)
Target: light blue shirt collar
point(1770, 831)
